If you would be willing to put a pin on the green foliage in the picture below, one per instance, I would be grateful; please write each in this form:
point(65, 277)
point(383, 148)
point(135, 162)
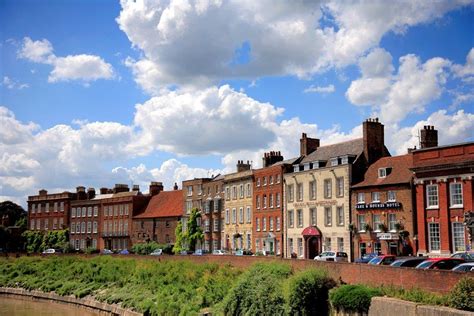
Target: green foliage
point(258, 291)
point(194, 231)
point(414, 295)
point(37, 241)
point(180, 238)
point(308, 293)
point(165, 288)
point(352, 298)
point(462, 295)
point(13, 212)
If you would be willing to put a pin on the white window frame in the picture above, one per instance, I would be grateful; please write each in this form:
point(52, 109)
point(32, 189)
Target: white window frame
point(361, 198)
point(361, 223)
point(434, 197)
point(458, 236)
point(391, 196)
point(392, 221)
point(249, 215)
point(328, 216)
point(299, 217)
point(375, 197)
point(382, 172)
point(432, 236)
point(312, 190)
point(452, 194)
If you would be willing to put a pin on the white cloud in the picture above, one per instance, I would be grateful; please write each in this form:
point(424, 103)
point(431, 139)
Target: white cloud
point(317, 89)
point(13, 84)
point(452, 128)
point(395, 96)
point(170, 172)
point(36, 51)
point(211, 121)
point(201, 42)
point(467, 71)
point(85, 68)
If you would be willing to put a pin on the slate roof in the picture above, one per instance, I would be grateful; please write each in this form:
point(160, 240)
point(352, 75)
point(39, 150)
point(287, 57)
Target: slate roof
point(352, 147)
point(400, 173)
point(165, 204)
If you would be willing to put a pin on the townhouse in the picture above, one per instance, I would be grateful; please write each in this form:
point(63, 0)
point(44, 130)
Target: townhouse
point(444, 194)
point(49, 211)
point(158, 221)
point(317, 192)
point(212, 216)
point(237, 228)
point(383, 209)
point(268, 204)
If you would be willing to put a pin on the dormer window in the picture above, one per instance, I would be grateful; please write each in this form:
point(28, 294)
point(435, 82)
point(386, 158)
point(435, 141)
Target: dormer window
point(296, 168)
point(306, 166)
point(334, 162)
point(345, 160)
point(382, 172)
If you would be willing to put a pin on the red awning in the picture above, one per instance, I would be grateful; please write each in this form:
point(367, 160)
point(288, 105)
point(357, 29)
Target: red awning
point(311, 231)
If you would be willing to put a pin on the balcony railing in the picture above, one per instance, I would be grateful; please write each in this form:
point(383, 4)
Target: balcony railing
point(115, 234)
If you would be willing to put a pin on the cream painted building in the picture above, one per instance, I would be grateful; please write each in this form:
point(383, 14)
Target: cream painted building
point(237, 228)
point(317, 192)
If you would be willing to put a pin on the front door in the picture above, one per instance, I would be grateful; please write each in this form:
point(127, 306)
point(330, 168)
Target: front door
point(313, 247)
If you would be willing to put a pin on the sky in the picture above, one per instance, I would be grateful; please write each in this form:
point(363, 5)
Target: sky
point(95, 92)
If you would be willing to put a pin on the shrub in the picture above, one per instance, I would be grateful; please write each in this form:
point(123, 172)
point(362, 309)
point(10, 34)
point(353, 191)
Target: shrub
point(352, 298)
point(90, 250)
point(258, 291)
point(462, 295)
point(308, 293)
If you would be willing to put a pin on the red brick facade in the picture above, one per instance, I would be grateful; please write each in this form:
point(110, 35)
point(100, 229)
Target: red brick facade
point(49, 211)
point(268, 210)
point(212, 215)
point(444, 192)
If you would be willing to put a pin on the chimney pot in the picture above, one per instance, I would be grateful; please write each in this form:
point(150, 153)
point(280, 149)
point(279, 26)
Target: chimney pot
point(428, 137)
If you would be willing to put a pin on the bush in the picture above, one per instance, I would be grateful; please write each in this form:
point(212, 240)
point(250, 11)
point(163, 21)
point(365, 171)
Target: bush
point(352, 298)
point(308, 293)
point(149, 247)
point(462, 295)
point(258, 291)
point(90, 250)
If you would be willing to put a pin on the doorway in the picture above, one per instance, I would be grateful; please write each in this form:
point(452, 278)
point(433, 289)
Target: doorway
point(312, 245)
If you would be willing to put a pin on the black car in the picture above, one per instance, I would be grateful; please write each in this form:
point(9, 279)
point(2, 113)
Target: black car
point(408, 262)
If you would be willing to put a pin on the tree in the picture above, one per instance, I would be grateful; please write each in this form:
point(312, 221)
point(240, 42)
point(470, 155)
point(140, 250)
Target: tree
point(194, 231)
point(13, 222)
point(180, 238)
point(11, 213)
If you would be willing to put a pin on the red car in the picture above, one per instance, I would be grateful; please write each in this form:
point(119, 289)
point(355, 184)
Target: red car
point(383, 260)
point(440, 263)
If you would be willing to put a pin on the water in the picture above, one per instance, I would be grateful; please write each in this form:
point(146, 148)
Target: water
point(18, 307)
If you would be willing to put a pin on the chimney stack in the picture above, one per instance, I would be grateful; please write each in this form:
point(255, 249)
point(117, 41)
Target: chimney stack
point(136, 188)
point(428, 137)
point(90, 193)
point(103, 190)
point(175, 187)
point(271, 158)
point(121, 188)
point(241, 166)
point(43, 192)
point(81, 193)
point(374, 144)
point(155, 188)
point(308, 145)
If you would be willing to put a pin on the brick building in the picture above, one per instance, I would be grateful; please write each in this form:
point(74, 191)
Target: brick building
point(268, 204)
point(237, 228)
point(383, 210)
point(317, 192)
point(212, 215)
point(49, 211)
point(159, 219)
point(84, 220)
point(444, 192)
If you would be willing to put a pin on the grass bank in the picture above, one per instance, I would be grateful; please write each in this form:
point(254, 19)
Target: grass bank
point(186, 288)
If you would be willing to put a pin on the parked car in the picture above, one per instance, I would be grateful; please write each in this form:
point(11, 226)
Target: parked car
point(107, 252)
point(198, 252)
point(440, 263)
point(408, 262)
point(384, 260)
point(157, 252)
point(218, 252)
point(239, 252)
point(49, 251)
point(124, 252)
point(332, 256)
point(467, 256)
point(465, 267)
point(366, 258)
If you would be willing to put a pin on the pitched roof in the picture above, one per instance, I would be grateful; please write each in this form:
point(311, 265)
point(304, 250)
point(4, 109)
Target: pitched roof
point(352, 147)
point(400, 171)
point(165, 204)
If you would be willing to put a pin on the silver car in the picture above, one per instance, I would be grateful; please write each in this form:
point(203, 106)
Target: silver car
point(332, 256)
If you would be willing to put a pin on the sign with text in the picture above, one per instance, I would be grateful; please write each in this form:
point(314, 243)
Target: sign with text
point(387, 236)
point(372, 206)
point(315, 203)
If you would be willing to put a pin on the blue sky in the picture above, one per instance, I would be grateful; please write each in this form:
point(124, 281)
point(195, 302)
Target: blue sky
point(99, 92)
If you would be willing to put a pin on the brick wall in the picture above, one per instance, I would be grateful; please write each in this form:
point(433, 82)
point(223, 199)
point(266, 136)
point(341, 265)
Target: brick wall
point(434, 281)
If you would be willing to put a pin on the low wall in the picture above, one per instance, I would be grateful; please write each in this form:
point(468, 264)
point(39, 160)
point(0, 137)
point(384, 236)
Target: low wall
point(435, 281)
point(394, 307)
point(87, 303)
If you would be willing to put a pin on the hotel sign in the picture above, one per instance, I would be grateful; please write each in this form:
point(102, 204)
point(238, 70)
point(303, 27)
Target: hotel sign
point(314, 203)
point(372, 206)
point(387, 236)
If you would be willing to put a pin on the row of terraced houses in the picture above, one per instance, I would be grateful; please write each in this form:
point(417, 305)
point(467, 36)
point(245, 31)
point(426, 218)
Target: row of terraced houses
point(351, 196)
